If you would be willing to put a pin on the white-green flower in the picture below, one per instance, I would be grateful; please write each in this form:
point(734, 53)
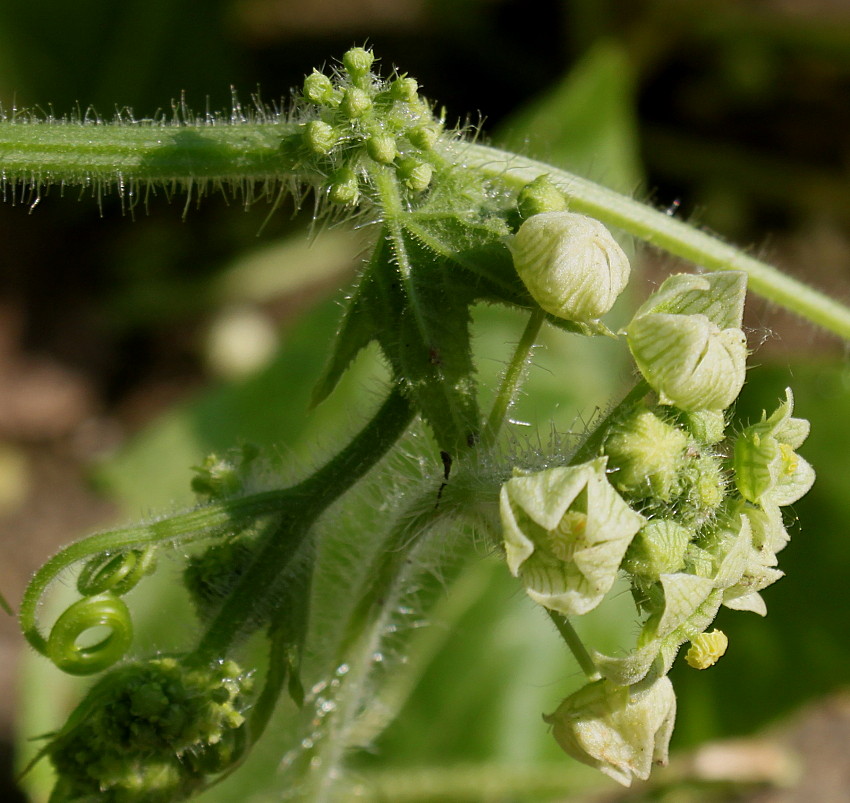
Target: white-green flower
point(565, 532)
point(767, 468)
point(571, 264)
point(688, 360)
point(620, 730)
point(719, 296)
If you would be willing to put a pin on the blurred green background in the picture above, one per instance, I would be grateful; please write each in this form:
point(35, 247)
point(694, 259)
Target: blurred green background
point(131, 346)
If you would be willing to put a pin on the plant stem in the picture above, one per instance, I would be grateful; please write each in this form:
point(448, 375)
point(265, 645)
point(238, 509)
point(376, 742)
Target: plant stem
point(41, 153)
point(577, 648)
point(512, 378)
point(665, 232)
point(257, 592)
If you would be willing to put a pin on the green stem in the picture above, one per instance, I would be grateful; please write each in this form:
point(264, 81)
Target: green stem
point(240, 153)
point(40, 153)
point(512, 378)
point(577, 648)
point(257, 591)
point(665, 232)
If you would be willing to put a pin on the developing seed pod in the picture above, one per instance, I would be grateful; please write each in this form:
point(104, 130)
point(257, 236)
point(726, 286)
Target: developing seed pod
point(571, 265)
point(151, 731)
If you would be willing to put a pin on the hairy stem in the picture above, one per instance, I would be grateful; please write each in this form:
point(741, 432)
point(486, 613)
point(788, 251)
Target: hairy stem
point(257, 590)
point(512, 379)
point(667, 233)
point(38, 152)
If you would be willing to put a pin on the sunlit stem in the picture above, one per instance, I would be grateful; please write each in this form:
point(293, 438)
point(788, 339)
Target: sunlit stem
point(665, 232)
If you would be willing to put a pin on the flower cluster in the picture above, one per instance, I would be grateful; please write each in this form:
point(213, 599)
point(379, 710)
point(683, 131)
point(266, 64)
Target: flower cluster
point(153, 730)
point(357, 122)
point(685, 509)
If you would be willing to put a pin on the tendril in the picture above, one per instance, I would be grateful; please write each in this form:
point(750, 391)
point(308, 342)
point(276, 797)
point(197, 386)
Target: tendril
point(204, 522)
point(103, 610)
point(117, 574)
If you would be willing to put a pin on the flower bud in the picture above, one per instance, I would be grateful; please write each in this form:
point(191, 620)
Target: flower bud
point(571, 265)
point(382, 148)
point(688, 360)
point(355, 102)
point(719, 296)
point(620, 730)
point(659, 548)
point(416, 175)
point(319, 137)
point(645, 455)
point(357, 61)
point(539, 196)
point(318, 88)
point(423, 136)
point(344, 188)
point(404, 88)
point(767, 467)
point(707, 649)
point(565, 532)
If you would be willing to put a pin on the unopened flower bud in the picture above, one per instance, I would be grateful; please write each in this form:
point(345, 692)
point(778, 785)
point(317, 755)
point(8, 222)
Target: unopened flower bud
point(571, 265)
point(404, 88)
point(318, 88)
point(659, 548)
point(382, 148)
point(645, 455)
point(319, 137)
point(344, 188)
point(416, 175)
point(707, 649)
point(539, 196)
point(423, 136)
point(355, 102)
point(719, 296)
point(688, 360)
point(620, 730)
point(358, 61)
point(565, 531)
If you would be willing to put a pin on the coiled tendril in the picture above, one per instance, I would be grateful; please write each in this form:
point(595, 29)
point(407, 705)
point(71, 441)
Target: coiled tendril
point(117, 574)
point(102, 610)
